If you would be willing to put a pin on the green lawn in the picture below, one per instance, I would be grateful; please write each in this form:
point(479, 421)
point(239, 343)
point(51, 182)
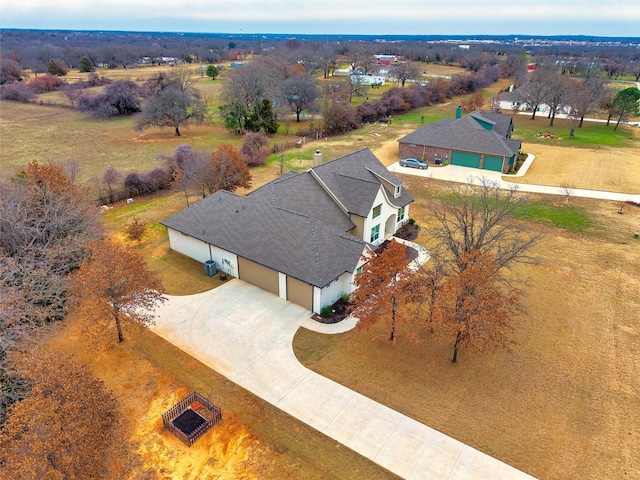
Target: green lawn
point(574, 219)
point(591, 134)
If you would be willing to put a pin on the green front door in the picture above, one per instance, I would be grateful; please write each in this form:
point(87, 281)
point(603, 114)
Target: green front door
point(465, 159)
point(492, 163)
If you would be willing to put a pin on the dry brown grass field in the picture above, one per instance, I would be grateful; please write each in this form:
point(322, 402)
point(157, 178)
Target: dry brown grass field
point(564, 403)
point(600, 168)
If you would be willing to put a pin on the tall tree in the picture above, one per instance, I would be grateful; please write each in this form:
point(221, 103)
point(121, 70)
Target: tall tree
point(46, 225)
point(474, 305)
point(227, 170)
point(626, 102)
point(85, 65)
point(188, 168)
point(535, 92)
point(558, 91)
point(250, 84)
point(236, 117)
point(263, 118)
point(481, 218)
point(584, 97)
point(301, 92)
point(383, 289)
point(404, 71)
point(172, 107)
point(605, 102)
point(111, 177)
point(118, 283)
point(326, 59)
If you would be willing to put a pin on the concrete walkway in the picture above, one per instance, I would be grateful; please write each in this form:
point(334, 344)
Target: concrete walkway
point(246, 334)
point(455, 173)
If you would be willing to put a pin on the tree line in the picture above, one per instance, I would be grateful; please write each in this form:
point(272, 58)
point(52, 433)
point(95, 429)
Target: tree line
point(49, 231)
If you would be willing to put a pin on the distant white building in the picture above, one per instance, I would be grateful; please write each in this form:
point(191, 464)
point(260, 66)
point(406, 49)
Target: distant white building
point(367, 80)
point(510, 101)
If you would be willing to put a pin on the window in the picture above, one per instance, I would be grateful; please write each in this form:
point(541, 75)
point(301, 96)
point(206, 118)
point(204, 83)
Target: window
point(360, 270)
point(398, 191)
point(376, 211)
point(375, 233)
point(401, 214)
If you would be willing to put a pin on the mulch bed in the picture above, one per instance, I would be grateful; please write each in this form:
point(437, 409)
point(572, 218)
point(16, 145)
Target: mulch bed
point(340, 309)
point(409, 231)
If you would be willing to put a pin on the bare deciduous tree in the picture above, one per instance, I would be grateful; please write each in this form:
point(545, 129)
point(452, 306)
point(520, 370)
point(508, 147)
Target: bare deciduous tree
point(567, 189)
point(481, 218)
point(404, 71)
point(119, 284)
point(111, 177)
point(301, 93)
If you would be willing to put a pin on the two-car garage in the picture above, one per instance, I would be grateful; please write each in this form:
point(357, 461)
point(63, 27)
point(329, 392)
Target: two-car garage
point(475, 160)
point(268, 279)
point(465, 159)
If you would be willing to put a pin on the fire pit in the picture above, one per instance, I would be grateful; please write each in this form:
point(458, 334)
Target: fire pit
point(191, 418)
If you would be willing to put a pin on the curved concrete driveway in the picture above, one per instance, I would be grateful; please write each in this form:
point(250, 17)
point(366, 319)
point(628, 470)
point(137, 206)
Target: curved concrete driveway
point(456, 173)
point(245, 334)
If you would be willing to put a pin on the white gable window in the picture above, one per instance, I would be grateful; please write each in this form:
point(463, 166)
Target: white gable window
point(401, 214)
point(398, 191)
point(375, 234)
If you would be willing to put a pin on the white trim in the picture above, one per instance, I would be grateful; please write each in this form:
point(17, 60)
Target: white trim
point(282, 285)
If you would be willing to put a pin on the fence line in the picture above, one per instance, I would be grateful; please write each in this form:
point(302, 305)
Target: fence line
point(174, 412)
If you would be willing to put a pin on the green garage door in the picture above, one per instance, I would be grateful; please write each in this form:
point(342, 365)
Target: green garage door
point(492, 163)
point(465, 159)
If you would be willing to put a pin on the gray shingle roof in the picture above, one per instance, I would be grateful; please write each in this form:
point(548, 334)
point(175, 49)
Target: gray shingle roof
point(353, 179)
point(301, 193)
point(501, 122)
point(292, 224)
point(297, 245)
point(466, 134)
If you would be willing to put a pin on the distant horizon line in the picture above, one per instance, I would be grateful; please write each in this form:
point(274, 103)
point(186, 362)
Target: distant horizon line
point(299, 34)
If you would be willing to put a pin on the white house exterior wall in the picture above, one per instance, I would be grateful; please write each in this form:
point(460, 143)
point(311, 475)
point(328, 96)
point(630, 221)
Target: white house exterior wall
point(332, 292)
point(202, 251)
point(386, 211)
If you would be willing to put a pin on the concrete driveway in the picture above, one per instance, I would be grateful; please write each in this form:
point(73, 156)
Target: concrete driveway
point(245, 334)
point(456, 173)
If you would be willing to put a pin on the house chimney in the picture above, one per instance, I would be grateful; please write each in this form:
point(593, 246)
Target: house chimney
point(459, 111)
point(317, 158)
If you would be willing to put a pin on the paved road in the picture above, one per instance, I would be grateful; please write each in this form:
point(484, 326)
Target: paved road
point(246, 334)
point(455, 173)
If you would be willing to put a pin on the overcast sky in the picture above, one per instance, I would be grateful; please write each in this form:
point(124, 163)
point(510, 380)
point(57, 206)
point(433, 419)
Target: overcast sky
point(371, 17)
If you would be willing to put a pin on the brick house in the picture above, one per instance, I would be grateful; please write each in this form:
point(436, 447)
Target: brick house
point(479, 140)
